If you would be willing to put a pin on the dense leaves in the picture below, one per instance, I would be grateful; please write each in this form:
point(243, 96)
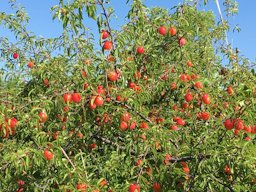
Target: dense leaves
point(154, 109)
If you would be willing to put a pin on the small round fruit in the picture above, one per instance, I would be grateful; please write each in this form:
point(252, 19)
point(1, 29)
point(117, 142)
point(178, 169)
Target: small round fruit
point(48, 155)
point(76, 97)
point(123, 125)
point(15, 55)
point(229, 124)
point(182, 41)
point(140, 50)
point(198, 85)
point(67, 98)
point(13, 122)
point(112, 76)
point(134, 188)
point(81, 187)
point(180, 122)
point(144, 125)
point(133, 125)
point(99, 101)
point(107, 45)
point(189, 64)
point(43, 117)
point(30, 64)
point(125, 117)
point(173, 31)
point(230, 90)
point(206, 99)
point(188, 97)
point(162, 30)
point(104, 34)
point(157, 187)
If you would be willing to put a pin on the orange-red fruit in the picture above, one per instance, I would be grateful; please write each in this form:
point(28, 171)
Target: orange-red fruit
point(204, 116)
point(229, 124)
point(112, 76)
point(123, 125)
point(188, 97)
point(162, 30)
point(140, 50)
point(144, 125)
point(230, 90)
point(133, 125)
point(139, 162)
point(134, 188)
point(107, 45)
point(174, 127)
point(30, 64)
point(227, 170)
point(92, 105)
point(156, 187)
point(46, 82)
point(182, 41)
point(125, 117)
point(48, 155)
point(173, 31)
point(67, 98)
point(43, 117)
point(180, 122)
point(104, 182)
point(104, 34)
point(206, 99)
point(81, 187)
point(76, 97)
point(198, 85)
point(189, 64)
point(99, 101)
point(13, 123)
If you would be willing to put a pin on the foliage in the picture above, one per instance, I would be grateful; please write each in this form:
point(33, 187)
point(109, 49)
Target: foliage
point(176, 92)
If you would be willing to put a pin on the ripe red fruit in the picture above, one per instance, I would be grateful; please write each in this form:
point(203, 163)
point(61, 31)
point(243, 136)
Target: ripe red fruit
point(189, 64)
point(162, 30)
point(76, 97)
point(131, 85)
point(46, 82)
point(230, 90)
point(140, 50)
point(229, 124)
point(184, 77)
point(104, 34)
point(92, 105)
point(81, 187)
point(119, 98)
point(123, 125)
point(144, 125)
point(185, 105)
point(185, 167)
point(238, 123)
point(43, 117)
point(101, 90)
point(173, 86)
point(21, 182)
point(174, 127)
point(134, 188)
point(30, 64)
point(125, 117)
point(204, 116)
point(227, 170)
point(182, 41)
point(99, 101)
point(67, 98)
point(156, 187)
point(104, 182)
point(180, 122)
point(15, 55)
point(133, 125)
point(188, 97)
point(48, 155)
point(138, 163)
point(107, 45)
point(173, 31)
point(198, 85)
point(112, 76)
point(206, 99)
point(13, 123)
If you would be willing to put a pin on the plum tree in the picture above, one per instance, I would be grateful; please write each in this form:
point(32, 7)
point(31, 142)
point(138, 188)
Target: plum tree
point(138, 111)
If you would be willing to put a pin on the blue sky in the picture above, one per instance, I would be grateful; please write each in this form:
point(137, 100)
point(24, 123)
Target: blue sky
point(41, 20)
